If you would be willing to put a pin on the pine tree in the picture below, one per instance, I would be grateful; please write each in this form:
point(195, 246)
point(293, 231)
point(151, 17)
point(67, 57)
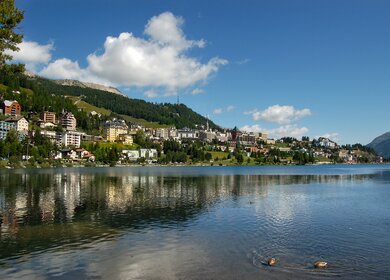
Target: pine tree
point(10, 17)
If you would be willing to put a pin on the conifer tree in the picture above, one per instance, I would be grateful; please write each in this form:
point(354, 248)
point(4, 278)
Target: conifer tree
point(10, 17)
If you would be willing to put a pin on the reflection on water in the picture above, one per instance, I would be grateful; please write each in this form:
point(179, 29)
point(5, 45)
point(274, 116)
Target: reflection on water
point(169, 226)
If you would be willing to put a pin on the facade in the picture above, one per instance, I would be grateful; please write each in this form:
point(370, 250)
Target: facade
point(71, 138)
point(187, 133)
point(48, 117)
point(263, 136)
point(132, 155)
point(12, 108)
point(68, 121)
point(5, 127)
point(21, 124)
point(126, 139)
point(207, 136)
point(148, 153)
point(114, 128)
point(327, 143)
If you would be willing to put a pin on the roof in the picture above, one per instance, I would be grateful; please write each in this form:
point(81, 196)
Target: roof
point(14, 118)
point(9, 102)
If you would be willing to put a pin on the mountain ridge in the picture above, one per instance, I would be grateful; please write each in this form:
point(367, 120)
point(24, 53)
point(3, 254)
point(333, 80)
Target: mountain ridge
point(70, 82)
point(381, 145)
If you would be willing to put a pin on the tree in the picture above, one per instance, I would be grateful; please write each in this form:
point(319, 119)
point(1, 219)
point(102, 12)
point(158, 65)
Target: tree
point(10, 17)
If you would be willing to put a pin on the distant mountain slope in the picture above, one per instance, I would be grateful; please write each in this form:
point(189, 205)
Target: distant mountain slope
point(178, 115)
point(381, 145)
point(88, 85)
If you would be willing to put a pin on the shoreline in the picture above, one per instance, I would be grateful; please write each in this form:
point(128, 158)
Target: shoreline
point(45, 166)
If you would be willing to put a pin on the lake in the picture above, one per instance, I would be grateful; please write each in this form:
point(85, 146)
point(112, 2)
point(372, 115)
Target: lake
point(195, 222)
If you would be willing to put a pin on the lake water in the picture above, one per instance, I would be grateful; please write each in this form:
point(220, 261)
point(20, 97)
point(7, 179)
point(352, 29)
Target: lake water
point(195, 222)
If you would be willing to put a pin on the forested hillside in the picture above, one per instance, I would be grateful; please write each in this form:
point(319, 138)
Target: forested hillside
point(178, 115)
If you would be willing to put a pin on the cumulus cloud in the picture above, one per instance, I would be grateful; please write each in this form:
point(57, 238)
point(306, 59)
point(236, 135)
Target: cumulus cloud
point(151, 93)
point(252, 128)
point(218, 111)
point(280, 114)
point(67, 69)
point(32, 54)
point(158, 60)
point(288, 131)
point(197, 91)
point(230, 108)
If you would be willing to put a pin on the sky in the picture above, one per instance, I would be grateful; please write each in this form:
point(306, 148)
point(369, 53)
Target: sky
point(286, 67)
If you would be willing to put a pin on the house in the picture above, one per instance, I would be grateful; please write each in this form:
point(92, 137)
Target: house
point(12, 108)
point(21, 124)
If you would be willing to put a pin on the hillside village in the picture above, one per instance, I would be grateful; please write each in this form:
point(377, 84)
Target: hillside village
point(121, 142)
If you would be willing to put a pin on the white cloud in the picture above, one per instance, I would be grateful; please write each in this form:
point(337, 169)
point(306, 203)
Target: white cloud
point(252, 128)
point(280, 114)
point(67, 69)
point(151, 93)
point(288, 130)
point(159, 60)
point(32, 54)
point(334, 136)
point(218, 111)
point(197, 91)
point(230, 108)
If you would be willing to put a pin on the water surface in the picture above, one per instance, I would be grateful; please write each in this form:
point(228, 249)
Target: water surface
point(195, 222)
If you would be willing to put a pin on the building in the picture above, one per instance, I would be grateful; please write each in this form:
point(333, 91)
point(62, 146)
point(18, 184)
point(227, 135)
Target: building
point(187, 133)
point(21, 124)
point(263, 136)
point(207, 136)
point(132, 155)
point(327, 143)
point(48, 117)
point(5, 127)
point(148, 153)
point(12, 108)
point(112, 129)
point(126, 139)
point(71, 138)
point(68, 121)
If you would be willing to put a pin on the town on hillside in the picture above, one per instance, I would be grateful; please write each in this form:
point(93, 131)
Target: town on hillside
point(49, 139)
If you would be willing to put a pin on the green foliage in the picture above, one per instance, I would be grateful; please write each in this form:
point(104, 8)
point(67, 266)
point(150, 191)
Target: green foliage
point(164, 113)
point(10, 17)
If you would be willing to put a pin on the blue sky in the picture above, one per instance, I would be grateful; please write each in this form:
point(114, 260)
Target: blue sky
point(315, 67)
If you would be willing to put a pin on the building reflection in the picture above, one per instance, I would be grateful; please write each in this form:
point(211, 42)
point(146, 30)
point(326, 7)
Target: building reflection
point(31, 203)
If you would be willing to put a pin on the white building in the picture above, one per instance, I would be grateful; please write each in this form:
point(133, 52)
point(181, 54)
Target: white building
point(21, 124)
point(327, 143)
point(71, 138)
point(187, 133)
point(148, 153)
point(68, 121)
point(132, 155)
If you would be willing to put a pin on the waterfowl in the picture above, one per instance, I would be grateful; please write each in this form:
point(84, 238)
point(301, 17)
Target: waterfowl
point(272, 261)
point(320, 264)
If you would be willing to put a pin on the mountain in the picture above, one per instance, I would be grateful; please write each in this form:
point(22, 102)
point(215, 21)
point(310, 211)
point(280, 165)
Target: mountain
point(381, 145)
point(88, 85)
point(178, 115)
